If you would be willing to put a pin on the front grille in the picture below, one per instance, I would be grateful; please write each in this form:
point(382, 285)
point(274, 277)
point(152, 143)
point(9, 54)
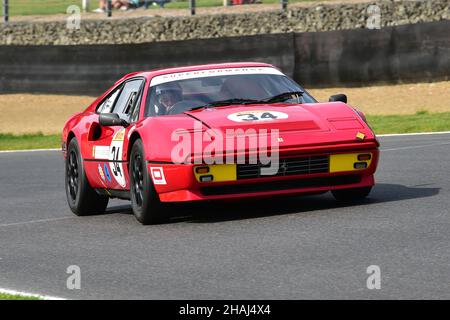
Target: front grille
point(288, 166)
point(281, 185)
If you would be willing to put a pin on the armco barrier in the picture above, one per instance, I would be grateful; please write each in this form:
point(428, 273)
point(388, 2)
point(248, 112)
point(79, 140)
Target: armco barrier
point(418, 52)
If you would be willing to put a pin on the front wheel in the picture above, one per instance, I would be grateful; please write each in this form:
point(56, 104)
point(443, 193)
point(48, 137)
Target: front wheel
point(145, 202)
point(349, 195)
point(81, 197)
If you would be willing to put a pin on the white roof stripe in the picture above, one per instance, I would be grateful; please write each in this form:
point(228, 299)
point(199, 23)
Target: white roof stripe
point(212, 73)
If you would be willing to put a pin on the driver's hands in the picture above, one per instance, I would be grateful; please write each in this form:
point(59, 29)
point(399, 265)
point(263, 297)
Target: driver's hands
point(170, 110)
point(177, 108)
point(160, 111)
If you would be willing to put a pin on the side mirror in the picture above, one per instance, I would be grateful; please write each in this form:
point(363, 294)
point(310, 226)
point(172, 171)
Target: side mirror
point(112, 119)
point(338, 97)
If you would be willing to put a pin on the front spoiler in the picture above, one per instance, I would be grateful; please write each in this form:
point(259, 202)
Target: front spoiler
point(197, 195)
point(181, 184)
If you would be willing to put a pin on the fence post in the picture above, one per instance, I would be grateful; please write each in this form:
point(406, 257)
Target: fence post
point(192, 7)
point(5, 11)
point(284, 4)
point(86, 5)
point(109, 8)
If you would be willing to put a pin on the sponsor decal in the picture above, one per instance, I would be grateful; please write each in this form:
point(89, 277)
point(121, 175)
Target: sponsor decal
point(107, 174)
point(257, 115)
point(360, 136)
point(113, 153)
point(158, 175)
point(100, 152)
point(119, 136)
point(115, 157)
point(212, 73)
point(100, 172)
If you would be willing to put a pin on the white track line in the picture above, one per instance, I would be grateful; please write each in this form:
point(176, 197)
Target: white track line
point(34, 221)
point(416, 147)
point(412, 134)
point(27, 294)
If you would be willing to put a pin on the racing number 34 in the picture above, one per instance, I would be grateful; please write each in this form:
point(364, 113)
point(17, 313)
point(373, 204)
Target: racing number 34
point(256, 117)
point(115, 152)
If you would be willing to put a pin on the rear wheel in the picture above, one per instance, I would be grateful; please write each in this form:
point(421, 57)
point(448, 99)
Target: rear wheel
point(81, 197)
point(147, 207)
point(349, 195)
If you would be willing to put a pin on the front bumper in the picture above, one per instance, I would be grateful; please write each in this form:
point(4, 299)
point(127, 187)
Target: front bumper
point(179, 183)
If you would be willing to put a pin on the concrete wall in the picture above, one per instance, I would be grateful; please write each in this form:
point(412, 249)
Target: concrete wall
point(91, 69)
point(154, 29)
point(408, 53)
point(418, 52)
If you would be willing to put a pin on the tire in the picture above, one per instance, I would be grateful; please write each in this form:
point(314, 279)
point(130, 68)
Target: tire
point(351, 195)
point(81, 197)
point(147, 207)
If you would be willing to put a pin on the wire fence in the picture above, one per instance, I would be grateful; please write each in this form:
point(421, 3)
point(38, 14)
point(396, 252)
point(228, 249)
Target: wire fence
point(11, 8)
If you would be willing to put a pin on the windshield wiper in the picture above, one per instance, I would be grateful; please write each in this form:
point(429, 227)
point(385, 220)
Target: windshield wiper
point(198, 107)
point(284, 96)
point(232, 101)
point(225, 103)
point(278, 98)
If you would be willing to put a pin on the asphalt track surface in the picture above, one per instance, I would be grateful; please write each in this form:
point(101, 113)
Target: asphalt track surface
point(294, 248)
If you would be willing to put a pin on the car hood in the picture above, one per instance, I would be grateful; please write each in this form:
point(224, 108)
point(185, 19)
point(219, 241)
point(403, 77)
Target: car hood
point(283, 118)
point(300, 126)
point(286, 118)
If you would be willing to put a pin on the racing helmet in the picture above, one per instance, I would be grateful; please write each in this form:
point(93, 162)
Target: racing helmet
point(171, 91)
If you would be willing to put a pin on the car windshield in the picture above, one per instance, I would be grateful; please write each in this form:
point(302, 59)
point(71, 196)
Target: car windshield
point(180, 92)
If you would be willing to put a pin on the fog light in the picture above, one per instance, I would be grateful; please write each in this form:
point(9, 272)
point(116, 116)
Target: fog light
point(201, 170)
point(360, 165)
point(364, 157)
point(208, 178)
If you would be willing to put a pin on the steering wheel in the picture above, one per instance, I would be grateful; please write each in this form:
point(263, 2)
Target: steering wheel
point(184, 105)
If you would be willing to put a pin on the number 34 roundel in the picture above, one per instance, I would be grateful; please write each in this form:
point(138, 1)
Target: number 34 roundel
point(115, 157)
point(257, 115)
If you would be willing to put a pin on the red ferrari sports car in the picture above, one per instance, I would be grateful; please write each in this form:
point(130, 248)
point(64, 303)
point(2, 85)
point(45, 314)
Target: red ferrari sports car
point(213, 132)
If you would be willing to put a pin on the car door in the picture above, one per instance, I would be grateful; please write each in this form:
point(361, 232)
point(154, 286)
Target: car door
point(108, 165)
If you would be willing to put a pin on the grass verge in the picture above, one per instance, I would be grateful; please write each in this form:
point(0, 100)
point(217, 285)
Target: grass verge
point(29, 141)
point(5, 296)
point(43, 7)
point(422, 121)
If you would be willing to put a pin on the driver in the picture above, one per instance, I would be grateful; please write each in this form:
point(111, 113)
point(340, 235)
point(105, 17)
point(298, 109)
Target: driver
point(167, 95)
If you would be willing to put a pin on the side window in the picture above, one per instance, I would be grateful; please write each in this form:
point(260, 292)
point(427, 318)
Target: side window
point(108, 104)
point(135, 111)
point(128, 98)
